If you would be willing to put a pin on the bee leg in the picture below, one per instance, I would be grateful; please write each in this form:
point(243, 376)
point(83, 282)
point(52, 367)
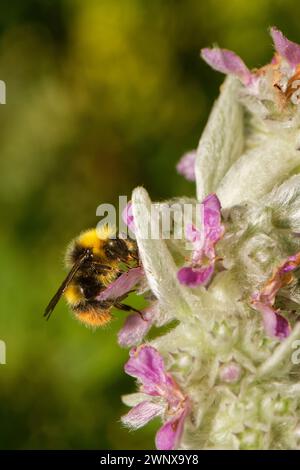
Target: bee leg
point(104, 267)
point(128, 308)
point(122, 297)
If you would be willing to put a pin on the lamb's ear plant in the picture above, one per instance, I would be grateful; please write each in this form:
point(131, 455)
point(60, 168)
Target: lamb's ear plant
point(223, 376)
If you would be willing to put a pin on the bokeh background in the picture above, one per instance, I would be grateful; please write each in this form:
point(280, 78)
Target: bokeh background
point(102, 95)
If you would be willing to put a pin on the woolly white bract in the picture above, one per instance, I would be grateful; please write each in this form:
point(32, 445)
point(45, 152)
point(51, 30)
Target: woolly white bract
point(242, 385)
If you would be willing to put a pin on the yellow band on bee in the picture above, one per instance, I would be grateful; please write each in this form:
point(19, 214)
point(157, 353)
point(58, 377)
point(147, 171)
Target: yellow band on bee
point(73, 295)
point(94, 238)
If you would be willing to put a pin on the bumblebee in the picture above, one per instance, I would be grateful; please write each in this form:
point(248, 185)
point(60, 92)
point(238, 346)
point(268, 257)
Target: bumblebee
point(95, 259)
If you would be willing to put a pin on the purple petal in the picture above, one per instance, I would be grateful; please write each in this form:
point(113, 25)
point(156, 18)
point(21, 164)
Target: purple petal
point(127, 216)
point(203, 257)
point(213, 230)
point(276, 326)
point(286, 48)
point(135, 327)
point(227, 62)
point(147, 365)
point(186, 165)
point(193, 277)
point(290, 264)
point(141, 414)
point(192, 234)
point(134, 330)
point(283, 329)
point(168, 436)
point(122, 284)
point(212, 203)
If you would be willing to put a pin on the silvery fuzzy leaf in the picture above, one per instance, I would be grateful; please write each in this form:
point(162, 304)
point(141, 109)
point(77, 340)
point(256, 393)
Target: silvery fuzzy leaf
point(157, 261)
point(222, 140)
point(285, 202)
point(261, 168)
point(281, 354)
point(221, 165)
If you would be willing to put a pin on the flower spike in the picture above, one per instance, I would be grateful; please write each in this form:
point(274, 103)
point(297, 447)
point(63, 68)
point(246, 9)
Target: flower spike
point(203, 242)
point(146, 365)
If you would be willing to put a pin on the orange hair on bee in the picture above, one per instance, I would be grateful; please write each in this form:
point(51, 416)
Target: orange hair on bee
point(93, 317)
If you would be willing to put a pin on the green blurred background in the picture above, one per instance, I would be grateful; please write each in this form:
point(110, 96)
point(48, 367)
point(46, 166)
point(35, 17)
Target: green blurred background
point(101, 96)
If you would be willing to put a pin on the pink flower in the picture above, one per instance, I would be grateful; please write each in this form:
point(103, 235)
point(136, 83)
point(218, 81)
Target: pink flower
point(228, 62)
point(186, 165)
point(122, 285)
point(287, 49)
point(275, 82)
point(163, 397)
point(127, 216)
point(263, 301)
point(136, 326)
point(203, 241)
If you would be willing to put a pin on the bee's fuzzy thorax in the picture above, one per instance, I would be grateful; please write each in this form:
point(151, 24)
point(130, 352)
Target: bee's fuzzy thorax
point(90, 239)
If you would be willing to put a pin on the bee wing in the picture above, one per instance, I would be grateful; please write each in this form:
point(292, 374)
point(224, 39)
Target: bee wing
point(50, 307)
